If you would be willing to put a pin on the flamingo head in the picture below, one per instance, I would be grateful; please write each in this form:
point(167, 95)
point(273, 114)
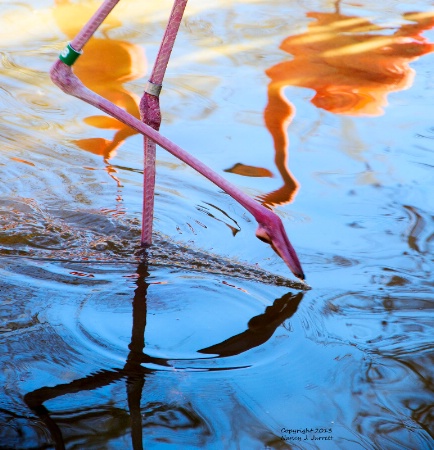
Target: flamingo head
point(271, 231)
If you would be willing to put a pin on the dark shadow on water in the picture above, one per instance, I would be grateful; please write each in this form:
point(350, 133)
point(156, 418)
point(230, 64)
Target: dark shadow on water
point(260, 329)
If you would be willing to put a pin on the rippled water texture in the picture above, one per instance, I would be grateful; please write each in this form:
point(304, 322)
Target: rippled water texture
point(321, 111)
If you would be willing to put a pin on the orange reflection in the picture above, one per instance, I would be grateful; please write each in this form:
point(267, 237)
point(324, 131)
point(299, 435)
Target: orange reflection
point(104, 66)
point(352, 65)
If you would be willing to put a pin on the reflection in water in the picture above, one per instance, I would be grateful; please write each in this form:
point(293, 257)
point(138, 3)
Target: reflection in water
point(356, 356)
point(351, 63)
point(260, 328)
point(133, 372)
point(106, 64)
point(150, 413)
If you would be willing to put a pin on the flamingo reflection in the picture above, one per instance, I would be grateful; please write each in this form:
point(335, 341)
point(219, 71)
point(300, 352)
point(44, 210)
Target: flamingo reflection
point(259, 329)
point(351, 64)
point(135, 374)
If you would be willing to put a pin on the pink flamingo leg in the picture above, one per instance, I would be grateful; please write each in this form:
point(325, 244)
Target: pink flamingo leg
point(151, 115)
point(92, 25)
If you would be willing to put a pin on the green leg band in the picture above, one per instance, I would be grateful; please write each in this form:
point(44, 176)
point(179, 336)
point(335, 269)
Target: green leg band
point(68, 55)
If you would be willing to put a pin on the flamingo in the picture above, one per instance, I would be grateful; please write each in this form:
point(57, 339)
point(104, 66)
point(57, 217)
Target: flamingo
point(270, 227)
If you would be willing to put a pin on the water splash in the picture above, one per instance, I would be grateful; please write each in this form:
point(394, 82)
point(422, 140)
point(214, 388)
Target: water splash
point(26, 230)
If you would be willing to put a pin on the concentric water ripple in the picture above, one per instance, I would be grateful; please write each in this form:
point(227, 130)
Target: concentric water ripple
point(187, 316)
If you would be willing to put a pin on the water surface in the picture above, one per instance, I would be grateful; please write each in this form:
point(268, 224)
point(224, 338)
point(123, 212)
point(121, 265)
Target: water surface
point(321, 111)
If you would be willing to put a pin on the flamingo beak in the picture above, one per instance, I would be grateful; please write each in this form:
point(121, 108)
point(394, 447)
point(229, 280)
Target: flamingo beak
point(277, 238)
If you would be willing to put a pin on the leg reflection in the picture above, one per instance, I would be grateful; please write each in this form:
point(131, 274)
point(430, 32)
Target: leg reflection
point(79, 422)
point(133, 371)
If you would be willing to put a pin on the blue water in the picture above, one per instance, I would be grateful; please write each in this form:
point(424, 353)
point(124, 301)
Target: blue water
point(321, 110)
